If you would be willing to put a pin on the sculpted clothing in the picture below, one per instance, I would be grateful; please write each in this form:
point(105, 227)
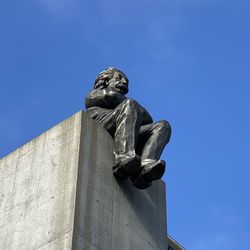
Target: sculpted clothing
point(130, 125)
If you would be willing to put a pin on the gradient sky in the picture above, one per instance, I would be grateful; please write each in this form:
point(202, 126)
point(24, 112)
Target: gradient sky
point(188, 61)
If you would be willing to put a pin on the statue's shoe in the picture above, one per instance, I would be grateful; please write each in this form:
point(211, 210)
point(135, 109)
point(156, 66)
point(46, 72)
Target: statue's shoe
point(139, 182)
point(153, 171)
point(150, 172)
point(127, 168)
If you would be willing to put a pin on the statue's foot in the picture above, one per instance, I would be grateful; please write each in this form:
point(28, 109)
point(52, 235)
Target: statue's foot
point(153, 171)
point(127, 168)
point(150, 172)
point(139, 182)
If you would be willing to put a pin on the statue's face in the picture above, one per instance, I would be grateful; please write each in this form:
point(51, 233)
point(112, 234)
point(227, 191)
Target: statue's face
point(119, 82)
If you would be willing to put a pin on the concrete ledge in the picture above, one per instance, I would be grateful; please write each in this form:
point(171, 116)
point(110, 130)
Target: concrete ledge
point(58, 192)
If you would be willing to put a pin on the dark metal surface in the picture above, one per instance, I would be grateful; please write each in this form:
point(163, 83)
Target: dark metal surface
point(138, 142)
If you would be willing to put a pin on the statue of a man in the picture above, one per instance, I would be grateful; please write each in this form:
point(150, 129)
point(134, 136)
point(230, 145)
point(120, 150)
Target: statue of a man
point(138, 142)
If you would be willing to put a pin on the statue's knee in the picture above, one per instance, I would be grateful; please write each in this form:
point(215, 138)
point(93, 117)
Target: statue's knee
point(165, 127)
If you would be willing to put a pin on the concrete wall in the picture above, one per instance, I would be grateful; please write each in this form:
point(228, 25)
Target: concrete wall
point(38, 188)
point(58, 192)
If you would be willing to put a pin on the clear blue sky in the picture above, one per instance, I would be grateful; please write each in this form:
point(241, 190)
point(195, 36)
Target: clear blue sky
point(187, 61)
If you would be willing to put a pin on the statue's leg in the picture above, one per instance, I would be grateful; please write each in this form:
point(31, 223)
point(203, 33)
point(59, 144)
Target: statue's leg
point(124, 123)
point(152, 140)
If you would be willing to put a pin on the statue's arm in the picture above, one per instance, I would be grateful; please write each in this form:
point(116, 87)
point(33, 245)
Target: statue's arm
point(105, 98)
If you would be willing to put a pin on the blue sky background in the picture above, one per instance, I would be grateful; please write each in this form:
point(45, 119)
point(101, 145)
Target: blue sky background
point(187, 61)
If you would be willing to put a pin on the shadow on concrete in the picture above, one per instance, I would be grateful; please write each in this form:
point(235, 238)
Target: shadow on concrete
point(144, 203)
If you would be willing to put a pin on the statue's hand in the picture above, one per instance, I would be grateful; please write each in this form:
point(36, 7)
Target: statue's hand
point(113, 97)
point(105, 98)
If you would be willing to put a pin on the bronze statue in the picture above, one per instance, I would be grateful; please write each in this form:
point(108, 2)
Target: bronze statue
point(138, 142)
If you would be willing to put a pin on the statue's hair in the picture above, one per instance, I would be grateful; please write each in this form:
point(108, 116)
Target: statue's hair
point(104, 77)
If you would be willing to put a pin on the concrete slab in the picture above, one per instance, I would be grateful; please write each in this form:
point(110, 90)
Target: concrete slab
point(38, 189)
point(58, 192)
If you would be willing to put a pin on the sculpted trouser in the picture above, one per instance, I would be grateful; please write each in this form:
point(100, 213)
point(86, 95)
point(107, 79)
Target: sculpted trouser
point(125, 123)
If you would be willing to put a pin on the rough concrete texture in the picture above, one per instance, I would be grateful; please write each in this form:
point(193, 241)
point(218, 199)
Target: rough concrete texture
point(58, 192)
point(38, 188)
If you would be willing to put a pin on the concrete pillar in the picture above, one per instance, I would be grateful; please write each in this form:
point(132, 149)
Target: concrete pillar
point(58, 192)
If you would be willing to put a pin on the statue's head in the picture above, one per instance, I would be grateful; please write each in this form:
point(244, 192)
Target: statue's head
point(113, 78)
